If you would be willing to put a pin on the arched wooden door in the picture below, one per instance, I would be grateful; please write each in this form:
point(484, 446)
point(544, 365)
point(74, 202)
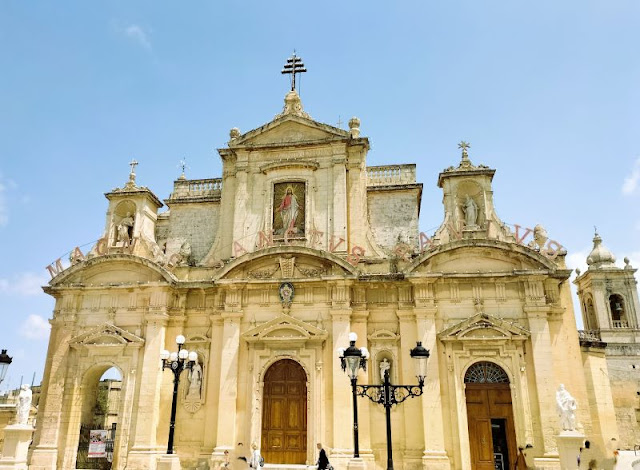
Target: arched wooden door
point(492, 438)
point(284, 415)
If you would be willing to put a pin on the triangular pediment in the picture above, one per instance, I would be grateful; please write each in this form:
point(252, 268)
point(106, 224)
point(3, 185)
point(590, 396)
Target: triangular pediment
point(485, 327)
point(289, 129)
point(106, 335)
point(286, 330)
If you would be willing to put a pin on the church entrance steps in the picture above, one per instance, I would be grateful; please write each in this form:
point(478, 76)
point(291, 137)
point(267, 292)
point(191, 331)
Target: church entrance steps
point(284, 466)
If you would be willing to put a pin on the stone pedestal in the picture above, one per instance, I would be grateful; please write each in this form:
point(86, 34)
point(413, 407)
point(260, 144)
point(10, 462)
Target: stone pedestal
point(17, 438)
point(356, 464)
point(569, 444)
point(168, 462)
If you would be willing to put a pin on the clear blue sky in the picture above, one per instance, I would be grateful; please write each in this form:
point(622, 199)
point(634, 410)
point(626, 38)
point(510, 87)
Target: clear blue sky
point(546, 92)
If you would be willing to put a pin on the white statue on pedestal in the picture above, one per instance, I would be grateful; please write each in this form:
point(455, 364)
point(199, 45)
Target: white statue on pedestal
point(24, 405)
point(566, 406)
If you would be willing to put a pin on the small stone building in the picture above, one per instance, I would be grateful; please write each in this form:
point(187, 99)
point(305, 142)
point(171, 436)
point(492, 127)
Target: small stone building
point(267, 269)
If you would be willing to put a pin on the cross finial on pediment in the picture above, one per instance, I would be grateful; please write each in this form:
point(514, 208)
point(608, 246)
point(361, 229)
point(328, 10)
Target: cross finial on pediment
point(132, 175)
point(182, 165)
point(464, 146)
point(293, 66)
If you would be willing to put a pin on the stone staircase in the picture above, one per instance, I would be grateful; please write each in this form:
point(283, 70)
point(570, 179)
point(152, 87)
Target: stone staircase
point(284, 466)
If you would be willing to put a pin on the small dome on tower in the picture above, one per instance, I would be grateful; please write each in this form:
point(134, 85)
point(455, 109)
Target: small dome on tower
point(600, 256)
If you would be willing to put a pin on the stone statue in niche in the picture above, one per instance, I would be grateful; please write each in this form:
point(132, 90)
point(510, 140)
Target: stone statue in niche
point(566, 406)
point(24, 405)
point(470, 209)
point(195, 382)
point(385, 366)
point(125, 229)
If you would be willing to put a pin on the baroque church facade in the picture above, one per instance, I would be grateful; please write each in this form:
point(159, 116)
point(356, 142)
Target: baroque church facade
point(268, 269)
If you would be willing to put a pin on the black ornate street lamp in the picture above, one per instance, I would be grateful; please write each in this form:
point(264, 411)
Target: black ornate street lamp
point(177, 362)
point(352, 359)
point(388, 395)
point(5, 360)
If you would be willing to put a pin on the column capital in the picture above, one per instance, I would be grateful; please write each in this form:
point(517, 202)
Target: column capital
point(340, 315)
point(156, 318)
point(406, 315)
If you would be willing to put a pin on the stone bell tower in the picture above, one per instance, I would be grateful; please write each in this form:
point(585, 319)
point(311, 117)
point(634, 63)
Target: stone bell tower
point(611, 315)
point(132, 215)
point(609, 296)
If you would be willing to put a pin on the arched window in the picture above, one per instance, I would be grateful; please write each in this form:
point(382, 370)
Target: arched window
point(590, 317)
point(618, 314)
point(486, 372)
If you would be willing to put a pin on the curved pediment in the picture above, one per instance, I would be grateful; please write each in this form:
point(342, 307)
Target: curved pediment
point(285, 330)
point(106, 335)
point(481, 256)
point(286, 262)
point(111, 269)
point(484, 327)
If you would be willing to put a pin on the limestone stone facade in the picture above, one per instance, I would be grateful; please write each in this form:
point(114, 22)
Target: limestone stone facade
point(297, 204)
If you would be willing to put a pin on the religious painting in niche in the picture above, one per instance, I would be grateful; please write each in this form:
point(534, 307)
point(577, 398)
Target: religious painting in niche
point(289, 210)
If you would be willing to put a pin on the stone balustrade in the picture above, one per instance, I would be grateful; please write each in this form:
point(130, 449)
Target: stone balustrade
point(389, 175)
point(620, 324)
point(196, 189)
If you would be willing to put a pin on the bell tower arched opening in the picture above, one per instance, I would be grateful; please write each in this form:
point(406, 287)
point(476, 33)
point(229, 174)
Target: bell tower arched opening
point(492, 436)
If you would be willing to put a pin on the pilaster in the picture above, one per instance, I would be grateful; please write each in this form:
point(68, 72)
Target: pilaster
point(434, 455)
point(228, 385)
point(46, 439)
point(144, 451)
point(342, 407)
point(545, 377)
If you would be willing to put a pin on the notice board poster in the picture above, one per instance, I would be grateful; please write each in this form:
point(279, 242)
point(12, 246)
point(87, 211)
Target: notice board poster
point(97, 443)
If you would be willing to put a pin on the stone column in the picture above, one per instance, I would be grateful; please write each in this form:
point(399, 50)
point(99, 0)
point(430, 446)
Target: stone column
point(228, 385)
point(144, 451)
point(545, 379)
point(46, 439)
point(435, 455)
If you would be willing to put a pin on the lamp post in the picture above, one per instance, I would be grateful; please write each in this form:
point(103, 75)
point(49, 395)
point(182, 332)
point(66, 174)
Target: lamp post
point(388, 395)
point(5, 360)
point(177, 362)
point(351, 360)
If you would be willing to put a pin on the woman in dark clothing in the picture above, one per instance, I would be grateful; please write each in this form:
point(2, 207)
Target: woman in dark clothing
point(323, 461)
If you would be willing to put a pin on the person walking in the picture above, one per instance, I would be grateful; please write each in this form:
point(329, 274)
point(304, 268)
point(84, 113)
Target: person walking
point(323, 460)
point(256, 460)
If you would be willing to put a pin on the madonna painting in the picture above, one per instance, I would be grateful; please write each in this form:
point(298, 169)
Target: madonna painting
point(288, 210)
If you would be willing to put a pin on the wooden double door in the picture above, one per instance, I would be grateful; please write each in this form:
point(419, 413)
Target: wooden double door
point(491, 432)
point(284, 415)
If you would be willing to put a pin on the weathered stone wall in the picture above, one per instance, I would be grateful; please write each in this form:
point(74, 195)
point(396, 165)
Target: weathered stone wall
point(624, 375)
point(393, 216)
point(197, 223)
